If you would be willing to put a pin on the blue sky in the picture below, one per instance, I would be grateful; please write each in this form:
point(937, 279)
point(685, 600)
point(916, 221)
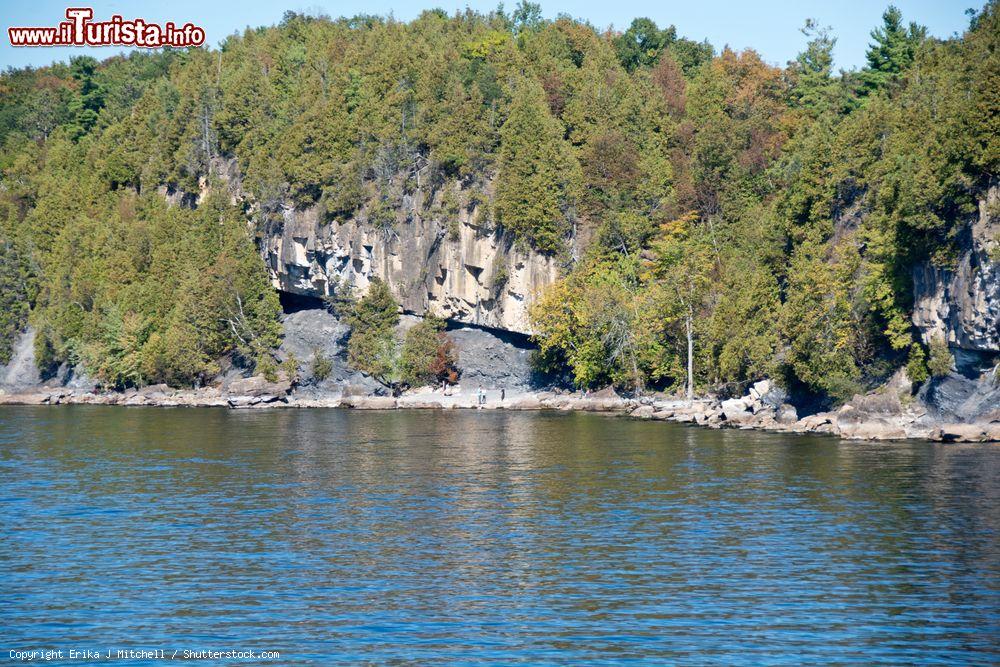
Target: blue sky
point(769, 26)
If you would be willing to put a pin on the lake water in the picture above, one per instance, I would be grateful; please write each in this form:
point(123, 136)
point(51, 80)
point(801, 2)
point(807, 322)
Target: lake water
point(490, 537)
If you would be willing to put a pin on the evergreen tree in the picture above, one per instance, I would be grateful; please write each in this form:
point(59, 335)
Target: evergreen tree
point(533, 192)
point(941, 360)
point(15, 292)
point(815, 88)
point(526, 16)
point(428, 355)
point(642, 44)
point(89, 97)
point(372, 346)
point(892, 51)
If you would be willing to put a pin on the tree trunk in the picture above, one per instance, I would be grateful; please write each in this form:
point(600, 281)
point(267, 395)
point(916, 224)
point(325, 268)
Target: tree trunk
point(690, 340)
point(637, 377)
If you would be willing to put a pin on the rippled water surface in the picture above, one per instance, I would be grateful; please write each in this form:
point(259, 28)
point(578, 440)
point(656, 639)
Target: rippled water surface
point(488, 537)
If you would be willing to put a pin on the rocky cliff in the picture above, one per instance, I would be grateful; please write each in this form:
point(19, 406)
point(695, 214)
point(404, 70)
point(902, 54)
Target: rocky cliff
point(962, 303)
point(436, 257)
point(460, 269)
point(21, 371)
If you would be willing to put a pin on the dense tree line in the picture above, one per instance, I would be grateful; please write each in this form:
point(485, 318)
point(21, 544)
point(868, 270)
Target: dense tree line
point(799, 201)
point(713, 213)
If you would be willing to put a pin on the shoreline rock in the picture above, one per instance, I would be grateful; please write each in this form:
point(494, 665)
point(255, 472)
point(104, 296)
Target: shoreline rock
point(873, 417)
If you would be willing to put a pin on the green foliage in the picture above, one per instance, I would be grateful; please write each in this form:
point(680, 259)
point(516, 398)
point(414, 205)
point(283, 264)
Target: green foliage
point(500, 279)
point(642, 44)
point(372, 345)
point(742, 337)
point(605, 325)
point(349, 114)
point(321, 366)
point(815, 89)
point(428, 355)
point(89, 98)
point(46, 358)
point(133, 289)
point(768, 217)
point(533, 189)
point(916, 364)
point(526, 16)
point(876, 191)
point(450, 209)
point(290, 367)
point(268, 369)
point(793, 215)
point(824, 324)
point(382, 217)
point(893, 51)
point(941, 361)
point(140, 292)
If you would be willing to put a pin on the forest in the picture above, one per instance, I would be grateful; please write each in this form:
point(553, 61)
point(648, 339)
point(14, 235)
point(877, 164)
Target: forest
point(718, 219)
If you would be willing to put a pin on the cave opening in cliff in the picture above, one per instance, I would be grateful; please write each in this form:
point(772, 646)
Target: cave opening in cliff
point(293, 303)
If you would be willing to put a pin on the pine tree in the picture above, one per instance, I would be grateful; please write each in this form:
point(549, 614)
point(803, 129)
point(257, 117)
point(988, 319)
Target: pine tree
point(815, 88)
point(892, 51)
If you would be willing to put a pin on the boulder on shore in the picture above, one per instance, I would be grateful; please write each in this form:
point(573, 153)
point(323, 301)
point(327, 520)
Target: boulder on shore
point(786, 414)
point(643, 412)
point(258, 386)
point(736, 410)
point(369, 402)
point(872, 429)
point(966, 433)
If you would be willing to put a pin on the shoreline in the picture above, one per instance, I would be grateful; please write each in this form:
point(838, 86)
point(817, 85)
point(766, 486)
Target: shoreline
point(850, 422)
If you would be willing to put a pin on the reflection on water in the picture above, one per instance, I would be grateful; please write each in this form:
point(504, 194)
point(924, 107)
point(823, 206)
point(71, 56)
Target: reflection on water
point(493, 537)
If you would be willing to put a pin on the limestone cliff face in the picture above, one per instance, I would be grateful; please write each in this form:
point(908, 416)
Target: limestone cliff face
point(451, 264)
point(461, 270)
point(21, 371)
point(962, 304)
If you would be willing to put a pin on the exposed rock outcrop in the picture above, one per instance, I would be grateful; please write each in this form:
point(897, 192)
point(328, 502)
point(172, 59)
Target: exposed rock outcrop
point(21, 371)
point(489, 359)
point(314, 331)
point(465, 272)
point(870, 417)
point(256, 387)
point(436, 256)
point(958, 398)
point(961, 304)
